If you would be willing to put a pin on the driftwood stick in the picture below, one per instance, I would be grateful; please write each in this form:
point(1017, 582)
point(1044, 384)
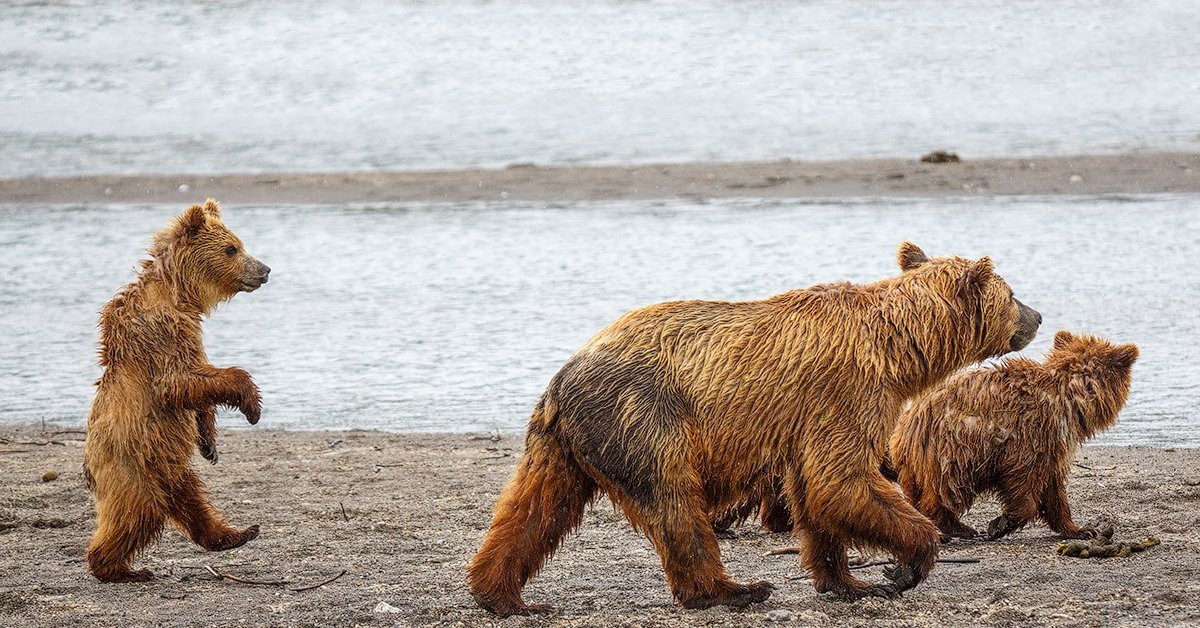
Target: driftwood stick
point(320, 584)
point(344, 515)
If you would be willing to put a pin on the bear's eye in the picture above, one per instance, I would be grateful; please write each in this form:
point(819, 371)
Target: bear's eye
point(231, 250)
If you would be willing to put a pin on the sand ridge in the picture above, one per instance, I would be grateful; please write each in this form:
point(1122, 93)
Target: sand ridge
point(1152, 173)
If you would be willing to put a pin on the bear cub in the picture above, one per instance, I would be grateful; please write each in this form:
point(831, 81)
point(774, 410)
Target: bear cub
point(156, 397)
point(1012, 430)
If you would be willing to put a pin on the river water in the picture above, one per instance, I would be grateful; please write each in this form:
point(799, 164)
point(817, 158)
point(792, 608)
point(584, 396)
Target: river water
point(129, 86)
point(454, 317)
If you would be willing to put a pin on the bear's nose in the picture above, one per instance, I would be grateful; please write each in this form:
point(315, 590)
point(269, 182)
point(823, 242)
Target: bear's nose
point(1039, 318)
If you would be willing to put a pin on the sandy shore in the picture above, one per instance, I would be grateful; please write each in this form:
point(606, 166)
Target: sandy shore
point(1090, 175)
point(402, 514)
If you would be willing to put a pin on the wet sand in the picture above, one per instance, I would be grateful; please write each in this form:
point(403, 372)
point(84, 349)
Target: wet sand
point(1078, 175)
point(402, 513)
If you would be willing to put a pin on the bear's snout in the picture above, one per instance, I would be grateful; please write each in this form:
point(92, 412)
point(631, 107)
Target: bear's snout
point(256, 274)
point(1028, 320)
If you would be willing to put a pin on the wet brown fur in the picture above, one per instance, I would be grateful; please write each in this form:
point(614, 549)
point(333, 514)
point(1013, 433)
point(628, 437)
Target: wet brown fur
point(682, 410)
point(155, 399)
point(1012, 430)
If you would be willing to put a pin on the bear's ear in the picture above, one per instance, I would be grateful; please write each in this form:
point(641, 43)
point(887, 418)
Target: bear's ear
point(212, 208)
point(192, 221)
point(1125, 355)
point(910, 256)
point(979, 274)
point(1062, 339)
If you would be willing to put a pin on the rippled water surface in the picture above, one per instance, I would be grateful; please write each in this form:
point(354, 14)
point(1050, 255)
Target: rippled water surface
point(135, 87)
point(454, 317)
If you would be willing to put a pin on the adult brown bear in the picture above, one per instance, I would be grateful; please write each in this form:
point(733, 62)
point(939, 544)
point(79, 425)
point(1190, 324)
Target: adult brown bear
point(1011, 429)
point(680, 410)
point(155, 400)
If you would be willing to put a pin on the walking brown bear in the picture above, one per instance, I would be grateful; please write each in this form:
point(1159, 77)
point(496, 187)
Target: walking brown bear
point(155, 400)
point(684, 409)
point(1011, 429)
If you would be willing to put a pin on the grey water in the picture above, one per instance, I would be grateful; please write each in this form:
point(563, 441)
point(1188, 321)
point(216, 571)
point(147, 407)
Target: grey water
point(453, 317)
point(128, 86)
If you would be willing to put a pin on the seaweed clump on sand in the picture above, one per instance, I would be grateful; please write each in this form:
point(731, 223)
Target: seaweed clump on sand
point(1103, 546)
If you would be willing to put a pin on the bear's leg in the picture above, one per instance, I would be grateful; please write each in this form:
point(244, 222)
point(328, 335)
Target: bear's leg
point(867, 511)
point(928, 503)
point(1057, 512)
point(775, 515)
point(947, 521)
point(676, 521)
point(125, 523)
point(822, 552)
point(200, 520)
point(735, 515)
point(542, 504)
point(825, 557)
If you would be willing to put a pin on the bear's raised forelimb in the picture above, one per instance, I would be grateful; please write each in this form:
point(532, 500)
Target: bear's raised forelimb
point(210, 386)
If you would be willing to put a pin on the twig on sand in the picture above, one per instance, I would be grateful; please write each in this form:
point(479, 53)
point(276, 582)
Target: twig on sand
point(344, 515)
point(319, 584)
point(271, 583)
point(274, 583)
point(781, 551)
point(30, 442)
point(1084, 466)
point(14, 451)
point(873, 563)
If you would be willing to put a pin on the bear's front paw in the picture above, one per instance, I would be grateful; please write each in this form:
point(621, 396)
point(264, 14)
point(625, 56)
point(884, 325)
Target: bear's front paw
point(253, 413)
point(1003, 526)
point(251, 405)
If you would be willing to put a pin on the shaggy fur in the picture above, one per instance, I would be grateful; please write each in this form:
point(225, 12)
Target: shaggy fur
point(682, 410)
point(1013, 430)
point(155, 400)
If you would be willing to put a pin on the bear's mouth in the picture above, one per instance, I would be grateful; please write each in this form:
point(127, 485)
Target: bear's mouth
point(1022, 339)
point(250, 285)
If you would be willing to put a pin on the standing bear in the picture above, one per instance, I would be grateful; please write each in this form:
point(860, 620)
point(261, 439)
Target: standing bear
point(680, 410)
point(156, 397)
point(1011, 429)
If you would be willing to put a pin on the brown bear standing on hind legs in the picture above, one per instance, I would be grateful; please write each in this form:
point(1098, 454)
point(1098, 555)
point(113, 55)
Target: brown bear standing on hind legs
point(155, 400)
point(680, 410)
point(1011, 429)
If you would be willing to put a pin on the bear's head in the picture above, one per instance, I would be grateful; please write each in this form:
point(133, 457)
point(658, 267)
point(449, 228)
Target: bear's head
point(974, 308)
point(202, 261)
point(1081, 353)
point(1097, 374)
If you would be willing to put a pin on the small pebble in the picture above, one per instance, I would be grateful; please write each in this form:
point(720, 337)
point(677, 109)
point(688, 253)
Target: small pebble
point(183, 187)
point(50, 476)
point(384, 607)
point(1076, 178)
point(779, 615)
